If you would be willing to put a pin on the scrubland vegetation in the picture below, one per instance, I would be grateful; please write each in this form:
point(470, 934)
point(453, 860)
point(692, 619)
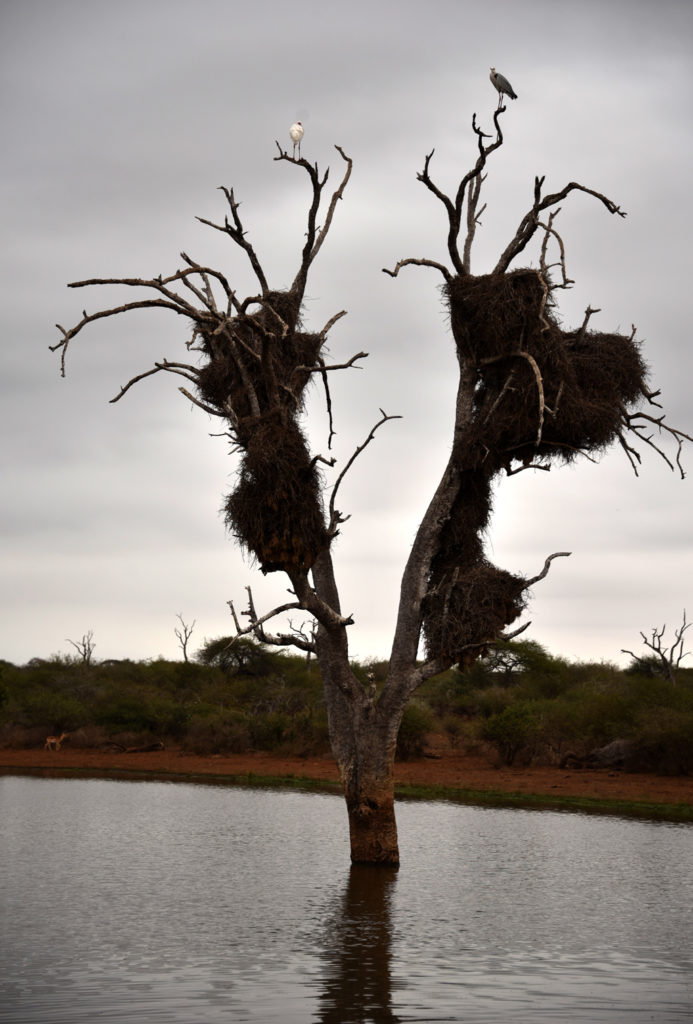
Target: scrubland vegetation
point(520, 703)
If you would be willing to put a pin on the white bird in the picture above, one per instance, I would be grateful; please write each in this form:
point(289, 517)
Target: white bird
point(502, 85)
point(296, 133)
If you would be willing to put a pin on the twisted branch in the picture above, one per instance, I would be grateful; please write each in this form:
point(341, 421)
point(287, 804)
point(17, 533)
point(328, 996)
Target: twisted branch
point(530, 222)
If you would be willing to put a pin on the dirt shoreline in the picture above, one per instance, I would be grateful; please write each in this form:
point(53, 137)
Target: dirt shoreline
point(446, 769)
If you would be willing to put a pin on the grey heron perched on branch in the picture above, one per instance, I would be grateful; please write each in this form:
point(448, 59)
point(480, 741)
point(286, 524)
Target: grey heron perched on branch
point(502, 85)
point(296, 133)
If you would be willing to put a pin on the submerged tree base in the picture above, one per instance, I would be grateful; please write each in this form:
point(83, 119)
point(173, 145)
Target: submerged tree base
point(373, 830)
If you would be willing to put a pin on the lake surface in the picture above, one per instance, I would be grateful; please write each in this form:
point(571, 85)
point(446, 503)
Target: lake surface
point(159, 902)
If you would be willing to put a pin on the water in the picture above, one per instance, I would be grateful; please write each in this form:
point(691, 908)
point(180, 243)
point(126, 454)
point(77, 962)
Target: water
point(155, 902)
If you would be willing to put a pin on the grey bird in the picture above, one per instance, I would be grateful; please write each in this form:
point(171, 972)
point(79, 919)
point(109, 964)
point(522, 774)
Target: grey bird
point(502, 85)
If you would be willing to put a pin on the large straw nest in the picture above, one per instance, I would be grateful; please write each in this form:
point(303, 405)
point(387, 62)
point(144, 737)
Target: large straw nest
point(504, 325)
point(541, 394)
point(275, 509)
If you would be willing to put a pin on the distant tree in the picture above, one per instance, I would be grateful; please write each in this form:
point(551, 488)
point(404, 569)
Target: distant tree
point(513, 657)
point(664, 661)
point(530, 395)
point(84, 647)
point(183, 634)
point(236, 655)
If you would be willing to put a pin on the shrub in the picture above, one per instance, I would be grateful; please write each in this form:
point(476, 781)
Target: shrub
point(663, 743)
point(514, 731)
point(225, 732)
point(51, 711)
point(417, 721)
point(267, 731)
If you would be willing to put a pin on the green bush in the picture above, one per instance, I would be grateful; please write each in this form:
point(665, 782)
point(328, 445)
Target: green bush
point(417, 721)
point(218, 732)
point(525, 702)
point(663, 743)
point(50, 711)
point(517, 730)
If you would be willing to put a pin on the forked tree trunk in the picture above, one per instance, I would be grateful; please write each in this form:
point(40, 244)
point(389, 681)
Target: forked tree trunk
point(363, 736)
point(363, 739)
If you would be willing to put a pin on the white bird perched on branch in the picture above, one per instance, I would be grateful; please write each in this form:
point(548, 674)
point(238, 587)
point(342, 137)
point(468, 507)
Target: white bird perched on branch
point(296, 133)
point(502, 85)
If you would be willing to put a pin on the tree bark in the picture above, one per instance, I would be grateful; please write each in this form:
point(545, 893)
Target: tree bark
point(370, 799)
point(364, 741)
point(363, 737)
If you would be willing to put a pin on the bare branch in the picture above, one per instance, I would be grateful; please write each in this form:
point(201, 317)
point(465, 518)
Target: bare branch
point(636, 423)
point(297, 638)
point(183, 634)
point(135, 380)
point(90, 318)
point(257, 622)
point(328, 401)
point(548, 231)
point(331, 322)
point(85, 646)
point(505, 637)
point(336, 196)
point(210, 410)
point(540, 390)
point(419, 263)
point(335, 516)
point(530, 222)
point(669, 658)
point(314, 236)
point(237, 233)
point(454, 208)
point(547, 566)
point(184, 369)
point(235, 617)
point(588, 313)
point(323, 368)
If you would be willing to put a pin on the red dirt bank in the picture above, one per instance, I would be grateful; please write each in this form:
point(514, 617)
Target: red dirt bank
point(448, 768)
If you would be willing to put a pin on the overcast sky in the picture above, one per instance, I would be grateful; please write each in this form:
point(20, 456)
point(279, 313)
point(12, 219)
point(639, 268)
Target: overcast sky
point(120, 121)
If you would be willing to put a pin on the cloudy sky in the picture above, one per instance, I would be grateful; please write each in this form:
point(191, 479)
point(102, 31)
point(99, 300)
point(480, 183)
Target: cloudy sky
point(119, 123)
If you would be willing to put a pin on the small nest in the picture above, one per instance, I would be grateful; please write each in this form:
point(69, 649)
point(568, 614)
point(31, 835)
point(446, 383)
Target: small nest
point(467, 610)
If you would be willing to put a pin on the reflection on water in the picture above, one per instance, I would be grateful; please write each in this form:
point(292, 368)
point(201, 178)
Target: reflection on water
point(148, 902)
point(357, 953)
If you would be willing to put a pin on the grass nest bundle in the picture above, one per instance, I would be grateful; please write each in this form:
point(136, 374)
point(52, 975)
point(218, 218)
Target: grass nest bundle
point(261, 354)
point(460, 538)
point(494, 315)
point(275, 510)
point(469, 600)
point(466, 610)
point(609, 375)
point(542, 392)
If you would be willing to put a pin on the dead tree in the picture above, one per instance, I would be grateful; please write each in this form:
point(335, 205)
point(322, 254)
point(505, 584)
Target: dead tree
point(667, 659)
point(84, 647)
point(183, 634)
point(529, 395)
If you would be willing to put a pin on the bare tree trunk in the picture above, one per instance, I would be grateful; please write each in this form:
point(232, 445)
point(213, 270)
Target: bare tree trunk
point(369, 791)
point(363, 736)
point(363, 742)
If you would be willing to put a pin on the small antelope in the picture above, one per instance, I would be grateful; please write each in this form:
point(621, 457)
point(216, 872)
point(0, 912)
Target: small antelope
point(53, 742)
